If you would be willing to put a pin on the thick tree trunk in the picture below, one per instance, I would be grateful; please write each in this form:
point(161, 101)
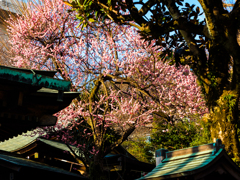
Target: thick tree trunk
point(96, 171)
point(224, 123)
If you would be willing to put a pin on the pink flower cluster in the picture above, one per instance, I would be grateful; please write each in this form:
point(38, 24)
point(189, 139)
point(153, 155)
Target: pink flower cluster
point(48, 37)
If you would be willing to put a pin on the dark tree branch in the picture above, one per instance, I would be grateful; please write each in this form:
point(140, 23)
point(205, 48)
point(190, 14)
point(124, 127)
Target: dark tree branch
point(77, 157)
point(180, 23)
point(147, 6)
point(173, 9)
point(235, 13)
point(134, 13)
point(236, 5)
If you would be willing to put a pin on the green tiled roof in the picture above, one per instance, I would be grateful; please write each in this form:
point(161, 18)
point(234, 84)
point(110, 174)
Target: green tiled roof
point(19, 142)
point(42, 72)
point(25, 139)
point(58, 145)
point(33, 78)
point(183, 164)
point(33, 164)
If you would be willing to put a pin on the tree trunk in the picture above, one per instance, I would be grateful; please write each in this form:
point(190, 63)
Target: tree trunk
point(224, 122)
point(96, 169)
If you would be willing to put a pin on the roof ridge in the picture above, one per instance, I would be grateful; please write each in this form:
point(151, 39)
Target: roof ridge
point(214, 147)
point(190, 147)
point(201, 153)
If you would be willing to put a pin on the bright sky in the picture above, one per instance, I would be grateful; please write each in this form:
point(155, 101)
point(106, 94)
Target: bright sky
point(185, 1)
point(193, 2)
point(196, 3)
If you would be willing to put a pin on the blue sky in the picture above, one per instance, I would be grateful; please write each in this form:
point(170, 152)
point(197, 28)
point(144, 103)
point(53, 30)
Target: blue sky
point(196, 3)
point(193, 2)
point(185, 1)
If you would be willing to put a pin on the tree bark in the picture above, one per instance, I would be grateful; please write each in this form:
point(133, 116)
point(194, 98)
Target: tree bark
point(96, 171)
point(223, 119)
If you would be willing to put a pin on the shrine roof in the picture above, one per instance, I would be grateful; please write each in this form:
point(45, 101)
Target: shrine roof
point(34, 78)
point(25, 142)
point(19, 162)
point(25, 139)
point(58, 145)
point(189, 161)
point(41, 72)
point(18, 142)
point(21, 141)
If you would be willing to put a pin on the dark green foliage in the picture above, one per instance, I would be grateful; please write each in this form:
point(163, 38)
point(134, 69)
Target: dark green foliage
point(140, 148)
point(203, 135)
point(171, 136)
point(179, 135)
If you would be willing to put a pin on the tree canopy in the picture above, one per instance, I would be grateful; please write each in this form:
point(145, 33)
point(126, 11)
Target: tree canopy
point(210, 47)
point(200, 40)
point(122, 79)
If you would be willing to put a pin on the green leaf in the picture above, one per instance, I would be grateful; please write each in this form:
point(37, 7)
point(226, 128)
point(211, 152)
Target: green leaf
point(96, 15)
point(83, 26)
point(80, 17)
point(85, 2)
point(91, 20)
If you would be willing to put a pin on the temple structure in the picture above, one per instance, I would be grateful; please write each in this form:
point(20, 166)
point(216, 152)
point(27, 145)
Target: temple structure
point(205, 162)
point(118, 163)
point(28, 99)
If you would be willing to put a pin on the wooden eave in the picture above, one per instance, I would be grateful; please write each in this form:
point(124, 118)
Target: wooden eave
point(29, 98)
point(27, 145)
point(30, 77)
point(26, 167)
point(47, 101)
point(48, 73)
